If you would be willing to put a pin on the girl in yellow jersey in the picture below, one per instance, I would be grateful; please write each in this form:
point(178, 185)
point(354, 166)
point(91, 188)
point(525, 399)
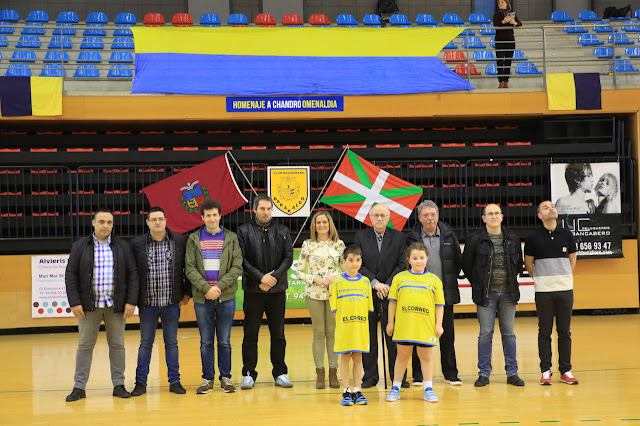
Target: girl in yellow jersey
point(416, 307)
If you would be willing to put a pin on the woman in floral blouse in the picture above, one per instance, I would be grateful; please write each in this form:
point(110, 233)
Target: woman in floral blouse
point(318, 265)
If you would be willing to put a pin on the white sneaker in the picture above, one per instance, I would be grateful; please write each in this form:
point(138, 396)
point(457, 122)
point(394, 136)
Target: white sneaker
point(283, 381)
point(247, 382)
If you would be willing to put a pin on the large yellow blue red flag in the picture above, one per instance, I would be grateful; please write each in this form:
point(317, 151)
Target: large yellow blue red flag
point(255, 61)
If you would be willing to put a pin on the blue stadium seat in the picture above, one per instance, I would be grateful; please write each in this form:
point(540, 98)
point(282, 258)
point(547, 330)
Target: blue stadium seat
point(7, 28)
point(53, 70)
point(121, 58)
point(620, 38)
point(434, 26)
point(467, 32)
point(237, 19)
point(574, 27)
point(346, 20)
point(372, 20)
point(18, 70)
point(67, 18)
point(623, 65)
point(37, 16)
point(122, 71)
point(60, 42)
point(399, 19)
point(492, 42)
point(97, 18)
point(589, 40)
point(33, 28)
point(631, 26)
point(23, 56)
point(87, 71)
point(527, 68)
point(125, 18)
point(491, 68)
point(64, 29)
point(636, 14)
point(478, 18)
point(92, 43)
point(588, 16)
point(484, 55)
point(473, 43)
point(89, 58)
point(423, 19)
point(210, 19)
point(4, 41)
point(122, 43)
point(603, 52)
point(519, 56)
point(450, 45)
point(9, 15)
point(485, 29)
point(602, 27)
point(28, 42)
point(94, 30)
point(632, 52)
point(56, 57)
point(452, 19)
point(560, 16)
point(123, 32)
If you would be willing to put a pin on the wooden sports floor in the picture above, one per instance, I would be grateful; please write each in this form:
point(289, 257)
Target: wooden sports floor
point(36, 373)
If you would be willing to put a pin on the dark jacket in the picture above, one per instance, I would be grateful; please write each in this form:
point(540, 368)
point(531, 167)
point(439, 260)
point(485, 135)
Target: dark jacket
point(381, 265)
point(179, 286)
point(281, 247)
point(477, 261)
point(505, 34)
point(450, 257)
point(79, 275)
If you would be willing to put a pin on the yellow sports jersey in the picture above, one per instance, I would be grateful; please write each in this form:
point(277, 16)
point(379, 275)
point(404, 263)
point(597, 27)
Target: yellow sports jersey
point(417, 296)
point(350, 299)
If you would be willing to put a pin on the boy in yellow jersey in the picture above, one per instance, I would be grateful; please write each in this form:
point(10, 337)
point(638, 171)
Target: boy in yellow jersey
point(416, 308)
point(350, 300)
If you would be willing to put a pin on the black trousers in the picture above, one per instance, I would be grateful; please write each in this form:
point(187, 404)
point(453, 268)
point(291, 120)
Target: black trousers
point(558, 305)
point(255, 304)
point(447, 350)
point(504, 53)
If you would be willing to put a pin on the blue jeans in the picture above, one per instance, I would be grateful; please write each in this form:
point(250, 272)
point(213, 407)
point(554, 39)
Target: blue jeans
point(215, 318)
point(503, 305)
point(170, 317)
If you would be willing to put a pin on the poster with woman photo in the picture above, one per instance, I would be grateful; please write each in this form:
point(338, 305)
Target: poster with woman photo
point(586, 188)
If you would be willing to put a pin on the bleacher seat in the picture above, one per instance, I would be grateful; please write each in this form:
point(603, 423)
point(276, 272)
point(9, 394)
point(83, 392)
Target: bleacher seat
point(574, 27)
point(463, 69)
point(603, 52)
point(56, 57)
point(473, 43)
point(425, 19)
point(636, 14)
point(518, 56)
point(125, 18)
point(94, 30)
point(60, 42)
point(450, 45)
point(466, 33)
point(122, 43)
point(120, 71)
point(434, 26)
point(319, 20)
point(210, 20)
point(67, 17)
point(9, 15)
point(182, 20)
point(97, 18)
point(372, 20)
point(491, 69)
point(265, 20)
point(602, 27)
point(620, 38)
point(237, 19)
point(492, 42)
point(346, 20)
point(292, 20)
point(588, 16)
point(33, 28)
point(4, 41)
point(121, 58)
point(560, 16)
point(89, 58)
point(484, 55)
point(64, 29)
point(92, 43)
point(452, 19)
point(53, 70)
point(18, 70)
point(478, 18)
point(485, 29)
point(125, 31)
point(455, 56)
point(589, 40)
point(7, 28)
point(399, 19)
point(631, 26)
point(632, 52)
point(28, 42)
point(623, 65)
point(86, 71)
point(153, 19)
point(527, 68)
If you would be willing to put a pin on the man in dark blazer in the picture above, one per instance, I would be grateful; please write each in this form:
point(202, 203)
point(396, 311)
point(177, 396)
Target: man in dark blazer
point(383, 251)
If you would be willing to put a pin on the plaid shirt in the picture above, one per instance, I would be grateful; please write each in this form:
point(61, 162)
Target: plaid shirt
point(103, 273)
point(159, 258)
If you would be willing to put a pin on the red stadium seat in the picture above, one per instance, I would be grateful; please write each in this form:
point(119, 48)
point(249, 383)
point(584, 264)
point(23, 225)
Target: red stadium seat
point(292, 19)
point(182, 20)
point(461, 69)
point(265, 20)
point(319, 19)
point(454, 56)
point(153, 20)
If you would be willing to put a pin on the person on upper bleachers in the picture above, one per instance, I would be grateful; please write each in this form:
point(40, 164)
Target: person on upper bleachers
point(505, 40)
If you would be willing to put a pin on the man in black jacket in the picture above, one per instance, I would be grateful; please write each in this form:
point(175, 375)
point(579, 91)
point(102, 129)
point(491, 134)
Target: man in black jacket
point(102, 285)
point(383, 251)
point(159, 258)
point(492, 260)
point(267, 252)
point(444, 261)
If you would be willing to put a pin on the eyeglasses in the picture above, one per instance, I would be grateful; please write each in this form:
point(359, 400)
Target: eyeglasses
point(379, 215)
point(157, 219)
point(491, 214)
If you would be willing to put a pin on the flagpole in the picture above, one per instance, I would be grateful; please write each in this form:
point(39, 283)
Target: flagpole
point(321, 192)
point(240, 168)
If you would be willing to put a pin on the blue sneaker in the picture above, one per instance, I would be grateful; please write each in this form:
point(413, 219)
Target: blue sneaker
point(247, 382)
point(347, 399)
point(283, 381)
point(359, 398)
point(394, 394)
point(429, 395)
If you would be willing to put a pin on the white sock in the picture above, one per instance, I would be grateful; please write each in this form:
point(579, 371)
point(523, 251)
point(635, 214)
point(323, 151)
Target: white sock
point(568, 374)
point(397, 384)
point(428, 383)
point(546, 374)
point(356, 389)
point(347, 390)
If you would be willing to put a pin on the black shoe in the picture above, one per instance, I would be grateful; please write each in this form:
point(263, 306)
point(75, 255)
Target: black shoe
point(515, 380)
point(177, 388)
point(405, 384)
point(121, 392)
point(76, 394)
point(366, 384)
point(481, 382)
point(453, 381)
point(140, 389)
